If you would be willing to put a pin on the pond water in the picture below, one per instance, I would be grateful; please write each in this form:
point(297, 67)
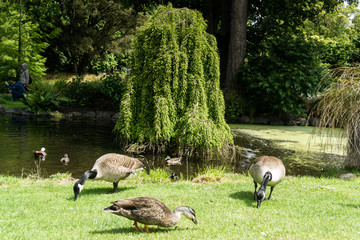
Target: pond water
point(85, 141)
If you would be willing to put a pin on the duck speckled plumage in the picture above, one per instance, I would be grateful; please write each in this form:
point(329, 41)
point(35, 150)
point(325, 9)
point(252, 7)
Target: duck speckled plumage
point(150, 211)
point(173, 161)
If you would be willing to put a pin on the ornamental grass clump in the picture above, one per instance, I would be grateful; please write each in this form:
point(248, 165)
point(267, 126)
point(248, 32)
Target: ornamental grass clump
point(340, 108)
point(173, 98)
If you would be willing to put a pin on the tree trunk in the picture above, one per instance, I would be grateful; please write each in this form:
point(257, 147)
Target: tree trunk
point(19, 44)
point(237, 42)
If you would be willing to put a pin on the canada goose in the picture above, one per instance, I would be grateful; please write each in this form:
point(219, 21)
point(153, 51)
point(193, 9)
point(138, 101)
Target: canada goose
point(111, 167)
point(40, 154)
point(173, 161)
point(150, 211)
point(65, 159)
point(266, 170)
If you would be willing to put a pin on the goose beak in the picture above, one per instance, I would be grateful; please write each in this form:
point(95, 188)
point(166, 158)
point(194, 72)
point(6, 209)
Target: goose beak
point(258, 204)
point(197, 224)
point(76, 196)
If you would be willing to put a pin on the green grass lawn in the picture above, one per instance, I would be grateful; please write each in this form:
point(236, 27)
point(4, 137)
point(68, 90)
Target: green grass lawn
point(7, 102)
point(301, 208)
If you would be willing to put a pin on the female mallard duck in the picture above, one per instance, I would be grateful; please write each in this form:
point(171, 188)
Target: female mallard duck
point(65, 159)
point(173, 161)
point(40, 154)
point(266, 170)
point(111, 167)
point(150, 211)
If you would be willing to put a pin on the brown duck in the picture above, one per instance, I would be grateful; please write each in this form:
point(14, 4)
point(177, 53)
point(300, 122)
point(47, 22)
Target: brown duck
point(150, 211)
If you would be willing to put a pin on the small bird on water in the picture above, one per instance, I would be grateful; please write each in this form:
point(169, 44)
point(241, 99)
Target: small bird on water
point(173, 161)
point(65, 159)
point(40, 154)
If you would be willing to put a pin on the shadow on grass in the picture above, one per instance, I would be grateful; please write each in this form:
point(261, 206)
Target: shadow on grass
point(350, 205)
point(127, 230)
point(245, 196)
point(99, 191)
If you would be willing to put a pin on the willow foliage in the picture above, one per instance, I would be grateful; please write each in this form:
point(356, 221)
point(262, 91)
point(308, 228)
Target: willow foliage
point(173, 95)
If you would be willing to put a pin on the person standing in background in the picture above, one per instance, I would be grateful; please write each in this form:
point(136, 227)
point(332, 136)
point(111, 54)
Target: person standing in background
point(24, 79)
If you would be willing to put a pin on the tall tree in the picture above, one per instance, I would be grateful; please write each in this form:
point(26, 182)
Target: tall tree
point(174, 97)
point(92, 28)
point(19, 41)
point(237, 42)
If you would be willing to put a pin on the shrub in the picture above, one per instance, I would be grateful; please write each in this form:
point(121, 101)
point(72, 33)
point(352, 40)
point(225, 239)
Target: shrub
point(41, 97)
point(114, 87)
point(83, 93)
point(280, 77)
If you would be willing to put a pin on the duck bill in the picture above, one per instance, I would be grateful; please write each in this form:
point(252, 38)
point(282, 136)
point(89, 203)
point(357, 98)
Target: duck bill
point(196, 223)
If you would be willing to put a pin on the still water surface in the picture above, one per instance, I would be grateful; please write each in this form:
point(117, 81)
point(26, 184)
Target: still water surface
point(85, 141)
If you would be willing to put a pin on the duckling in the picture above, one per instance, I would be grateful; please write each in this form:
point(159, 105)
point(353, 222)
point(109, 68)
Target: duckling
point(65, 159)
point(266, 170)
point(111, 167)
point(173, 161)
point(150, 211)
point(40, 154)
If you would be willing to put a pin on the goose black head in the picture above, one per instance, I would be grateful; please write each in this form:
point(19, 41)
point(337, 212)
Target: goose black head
point(260, 197)
point(77, 189)
point(78, 186)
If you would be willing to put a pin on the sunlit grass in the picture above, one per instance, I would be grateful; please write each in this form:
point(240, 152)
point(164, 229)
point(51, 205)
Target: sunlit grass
point(295, 137)
point(301, 208)
point(53, 77)
point(211, 174)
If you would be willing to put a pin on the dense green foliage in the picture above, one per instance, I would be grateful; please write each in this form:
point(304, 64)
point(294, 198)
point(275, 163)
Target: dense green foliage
point(41, 97)
point(91, 30)
point(173, 93)
point(282, 74)
point(13, 18)
point(114, 87)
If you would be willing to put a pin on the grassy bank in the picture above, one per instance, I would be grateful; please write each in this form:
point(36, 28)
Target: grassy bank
point(7, 102)
point(301, 208)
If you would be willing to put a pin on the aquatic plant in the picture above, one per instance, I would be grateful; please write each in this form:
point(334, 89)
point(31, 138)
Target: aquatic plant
point(173, 97)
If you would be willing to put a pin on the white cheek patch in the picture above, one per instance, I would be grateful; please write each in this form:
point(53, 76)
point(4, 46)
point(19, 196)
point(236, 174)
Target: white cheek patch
point(80, 187)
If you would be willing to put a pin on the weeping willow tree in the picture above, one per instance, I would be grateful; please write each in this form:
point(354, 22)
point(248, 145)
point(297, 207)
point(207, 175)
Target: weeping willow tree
point(173, 98)
point(340, 108)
